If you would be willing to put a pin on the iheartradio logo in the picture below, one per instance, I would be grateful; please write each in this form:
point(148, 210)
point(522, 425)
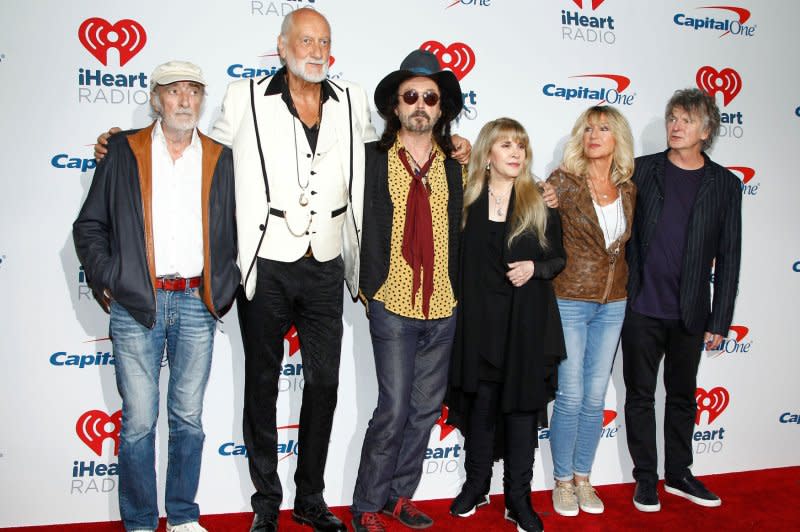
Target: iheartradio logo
point(713, 402)
point(95, 426)
point(457, 57)
point(595, 3)
point(98, 36)
point(727, 81)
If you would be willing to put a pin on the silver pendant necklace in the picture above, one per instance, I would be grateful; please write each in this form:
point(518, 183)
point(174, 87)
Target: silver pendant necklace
point(498, 202)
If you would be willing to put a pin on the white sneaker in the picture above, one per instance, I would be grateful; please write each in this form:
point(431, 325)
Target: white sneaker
point(588, 500)
point(564, 500)
point(192, 526)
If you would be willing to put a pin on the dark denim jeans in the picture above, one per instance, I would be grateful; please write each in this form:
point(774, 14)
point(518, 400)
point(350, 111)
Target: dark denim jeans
point(186, 329)
point(411, 361)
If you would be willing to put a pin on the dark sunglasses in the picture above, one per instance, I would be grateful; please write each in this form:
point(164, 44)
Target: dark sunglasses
point(429, 97)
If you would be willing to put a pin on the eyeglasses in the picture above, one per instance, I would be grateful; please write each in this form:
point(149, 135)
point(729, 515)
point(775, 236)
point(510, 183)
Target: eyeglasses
point(429, 97)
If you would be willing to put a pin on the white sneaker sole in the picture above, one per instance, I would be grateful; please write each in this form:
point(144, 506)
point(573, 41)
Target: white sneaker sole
point(592, 510)
point(647, 507)
point(566, 513)
point(692, 498)
point(508, 518)
point(482, 502)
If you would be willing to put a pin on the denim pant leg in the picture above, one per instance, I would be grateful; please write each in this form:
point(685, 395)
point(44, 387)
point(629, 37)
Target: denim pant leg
point(591, 334)
point(569, 396)
point(137, 357)
point(601, 347)
point(394, 345)
point(431, 365)
point(190, 343)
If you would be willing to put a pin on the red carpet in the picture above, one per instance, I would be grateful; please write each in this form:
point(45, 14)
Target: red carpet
point(754, 500)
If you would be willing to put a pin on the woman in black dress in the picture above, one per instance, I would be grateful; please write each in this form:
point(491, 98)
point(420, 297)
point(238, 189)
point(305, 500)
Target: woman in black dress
point(508, 337)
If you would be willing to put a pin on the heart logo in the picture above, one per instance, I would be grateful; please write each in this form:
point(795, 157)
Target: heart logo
point(713, 401)
point(293, 339)
point(98, 35)
point(95, 426)
point(458, 57)
point(608, 417)
point(727, 81)
point(595, 3)
point(746, 172)
point(444, 428)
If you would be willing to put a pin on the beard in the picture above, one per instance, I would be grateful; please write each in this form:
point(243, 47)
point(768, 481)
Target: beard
point(298, 68)
point(419, 121)
point(181, 121)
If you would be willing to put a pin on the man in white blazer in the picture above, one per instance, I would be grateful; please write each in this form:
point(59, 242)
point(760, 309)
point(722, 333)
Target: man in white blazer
point(298, 148)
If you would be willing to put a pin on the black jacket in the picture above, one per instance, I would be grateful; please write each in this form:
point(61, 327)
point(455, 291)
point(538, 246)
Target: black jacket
point(535, 340)
point(114, 235)
point(714, 238)
point(378, 214)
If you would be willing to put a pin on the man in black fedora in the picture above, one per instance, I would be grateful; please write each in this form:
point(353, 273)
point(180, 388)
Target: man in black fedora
point(409, 255)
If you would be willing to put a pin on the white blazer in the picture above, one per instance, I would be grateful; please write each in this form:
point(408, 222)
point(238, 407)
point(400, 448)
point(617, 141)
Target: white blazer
point(283, 229)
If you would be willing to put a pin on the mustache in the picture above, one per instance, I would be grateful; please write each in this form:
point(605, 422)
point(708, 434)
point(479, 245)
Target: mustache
point(420, 113)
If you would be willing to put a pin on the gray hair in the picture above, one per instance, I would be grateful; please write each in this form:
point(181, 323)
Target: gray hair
point(699, 104)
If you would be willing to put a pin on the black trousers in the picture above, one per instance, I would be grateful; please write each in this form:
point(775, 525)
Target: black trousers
point(308, 294)
point(644, 341)
point(519, 448)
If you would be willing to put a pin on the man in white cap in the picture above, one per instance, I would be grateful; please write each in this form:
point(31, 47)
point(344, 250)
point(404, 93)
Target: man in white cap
point(157, 239)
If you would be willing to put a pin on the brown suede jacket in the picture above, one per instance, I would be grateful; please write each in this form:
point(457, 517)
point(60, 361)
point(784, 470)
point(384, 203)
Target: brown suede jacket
point(593, 273)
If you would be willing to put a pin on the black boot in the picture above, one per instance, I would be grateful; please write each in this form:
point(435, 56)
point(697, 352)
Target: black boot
point(520, 451)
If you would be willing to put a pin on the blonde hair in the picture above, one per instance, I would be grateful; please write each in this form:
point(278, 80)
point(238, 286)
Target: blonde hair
point(575, 161)
point(530, 211)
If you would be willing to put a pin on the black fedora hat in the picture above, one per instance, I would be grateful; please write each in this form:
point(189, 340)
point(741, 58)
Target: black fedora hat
point(420, 63)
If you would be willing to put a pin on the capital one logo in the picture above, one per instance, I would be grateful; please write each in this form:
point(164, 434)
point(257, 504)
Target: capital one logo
point(98, 36)
point(95, 427)
point(595, 3)
point(744, 173)
point(457, 57)
point(288, 445)
point(726, 81)
point(713, 402)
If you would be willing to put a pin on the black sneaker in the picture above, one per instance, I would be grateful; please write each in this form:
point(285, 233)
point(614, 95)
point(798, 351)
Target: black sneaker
point(692, 489)
point(407, 513)
point(467, 503)
point(645, 498)
point(522, 514)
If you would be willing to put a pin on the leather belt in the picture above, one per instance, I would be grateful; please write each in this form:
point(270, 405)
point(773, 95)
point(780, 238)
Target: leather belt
point(282, 214)
point(177, 284)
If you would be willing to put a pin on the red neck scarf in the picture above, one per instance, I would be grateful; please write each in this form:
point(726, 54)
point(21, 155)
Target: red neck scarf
point(418, 231)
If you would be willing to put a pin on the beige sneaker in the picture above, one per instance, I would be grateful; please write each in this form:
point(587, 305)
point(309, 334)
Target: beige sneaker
point(564, 500)
point(587, 498)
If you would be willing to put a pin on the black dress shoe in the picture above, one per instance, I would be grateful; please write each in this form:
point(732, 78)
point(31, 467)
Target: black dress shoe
point(692, 489)
point(645, 497)
point(317, 516)
point(521, 513)
point(467, 502)
point(264, 523)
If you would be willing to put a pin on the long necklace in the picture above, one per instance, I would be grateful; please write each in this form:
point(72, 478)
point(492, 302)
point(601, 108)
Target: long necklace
point(617, 216)
point(303, 199)
point(419, 168)
point(498, 202)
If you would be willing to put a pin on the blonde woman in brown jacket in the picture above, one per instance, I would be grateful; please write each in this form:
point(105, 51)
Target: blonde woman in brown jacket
point(595, 199)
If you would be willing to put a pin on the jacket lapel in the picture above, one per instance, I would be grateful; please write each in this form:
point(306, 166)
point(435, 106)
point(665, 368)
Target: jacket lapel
point(141, 144)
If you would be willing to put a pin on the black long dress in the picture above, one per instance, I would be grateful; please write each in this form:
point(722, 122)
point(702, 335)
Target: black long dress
point(533, 343)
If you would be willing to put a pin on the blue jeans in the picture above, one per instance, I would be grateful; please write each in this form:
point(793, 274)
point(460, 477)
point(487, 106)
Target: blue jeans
point(186, 328)
point(591, 334)
point(412, 357)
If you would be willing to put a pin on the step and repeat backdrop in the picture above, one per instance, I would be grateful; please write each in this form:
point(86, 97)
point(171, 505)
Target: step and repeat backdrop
point(69, 70)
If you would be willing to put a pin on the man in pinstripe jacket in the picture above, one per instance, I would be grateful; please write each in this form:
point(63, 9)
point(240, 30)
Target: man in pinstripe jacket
point(688, 218)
